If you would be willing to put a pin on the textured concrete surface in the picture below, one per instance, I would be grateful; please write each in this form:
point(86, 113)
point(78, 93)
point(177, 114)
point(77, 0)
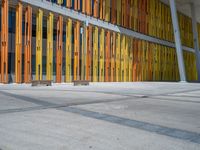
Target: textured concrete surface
point(102, 116)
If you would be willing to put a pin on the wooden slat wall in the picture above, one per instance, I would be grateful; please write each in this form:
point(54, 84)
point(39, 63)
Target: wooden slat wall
point(110, 57)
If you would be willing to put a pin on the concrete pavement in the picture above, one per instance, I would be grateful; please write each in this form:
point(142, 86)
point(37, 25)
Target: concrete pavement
point(113, 116)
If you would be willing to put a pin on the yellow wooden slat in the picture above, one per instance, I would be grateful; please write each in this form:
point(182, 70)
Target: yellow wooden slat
point(49, 63)
point(130, 54)
point(118, 12)
point(76, 50)
point(60, 2)
point(68, 76)
point(118, 58)
point(95, 55)
point(113, 57)
point(107, 10)
point(101, 55)
point(126, 59)
point(123, 40)
point(39, 23)
point(18, 44)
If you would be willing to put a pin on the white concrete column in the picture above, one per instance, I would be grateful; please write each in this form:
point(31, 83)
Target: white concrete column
point(195, 38)
point(178, 44)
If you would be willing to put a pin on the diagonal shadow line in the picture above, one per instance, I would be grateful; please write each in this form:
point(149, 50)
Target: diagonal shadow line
point(7, 111)
point(27, 99)
point(161, 130)
point(158, 129)
point(47, 105)
point(17, 110)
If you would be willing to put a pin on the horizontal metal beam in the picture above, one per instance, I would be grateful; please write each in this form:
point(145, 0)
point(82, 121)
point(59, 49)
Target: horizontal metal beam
point(97, 22)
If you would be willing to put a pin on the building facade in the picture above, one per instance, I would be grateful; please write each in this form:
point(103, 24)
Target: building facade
point(39, 43)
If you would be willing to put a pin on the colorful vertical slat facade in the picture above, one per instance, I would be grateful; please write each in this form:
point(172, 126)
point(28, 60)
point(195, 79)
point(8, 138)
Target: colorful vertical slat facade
point(100, 55)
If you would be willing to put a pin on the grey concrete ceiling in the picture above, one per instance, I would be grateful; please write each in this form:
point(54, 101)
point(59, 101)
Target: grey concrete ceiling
point(184, 7)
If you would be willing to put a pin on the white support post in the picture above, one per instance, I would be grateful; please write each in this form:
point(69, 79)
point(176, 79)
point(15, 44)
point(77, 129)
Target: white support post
point(178, 44)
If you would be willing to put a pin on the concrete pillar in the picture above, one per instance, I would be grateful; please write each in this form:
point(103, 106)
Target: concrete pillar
point(195, 38)
point(178, 44)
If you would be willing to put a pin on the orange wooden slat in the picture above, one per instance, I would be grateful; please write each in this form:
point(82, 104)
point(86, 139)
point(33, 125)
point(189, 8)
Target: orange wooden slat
point(88, 5)
point(123, 9)
point(113, 56)
point(76, 50)
point(150, 63)
point(68, 3)
point(18, 44)
point(96, 9)
point(135, 59)
point(4, 41)
point(27, 45)
point(113, 12)
point(102, 9)
point(84, 6)
point(77, 5)
point(59, 49)
point(89, 53)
